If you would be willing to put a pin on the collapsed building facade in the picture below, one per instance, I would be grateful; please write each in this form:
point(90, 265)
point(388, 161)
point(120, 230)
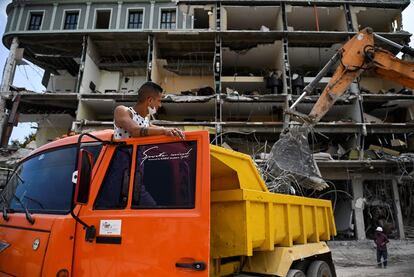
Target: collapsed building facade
point(232, 68)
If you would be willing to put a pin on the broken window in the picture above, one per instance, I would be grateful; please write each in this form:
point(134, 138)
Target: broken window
point(253, 69)
point(379, 19)
point(187, 69)
point(346, 109)
point(71, 20)
point(135, 19)
point(380, 110)
point(372, 84)
point(306, 62)
point(252, 18)
point(35, 21)
point(168, 19)
point(201, 19)
point(103, 18)
point(316, 18)
point(252, 112)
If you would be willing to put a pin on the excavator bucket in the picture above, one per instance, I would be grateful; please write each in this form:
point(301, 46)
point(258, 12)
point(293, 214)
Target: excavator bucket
point(291, 155)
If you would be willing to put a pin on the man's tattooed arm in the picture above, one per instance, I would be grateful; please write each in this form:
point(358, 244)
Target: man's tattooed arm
point(143, 132)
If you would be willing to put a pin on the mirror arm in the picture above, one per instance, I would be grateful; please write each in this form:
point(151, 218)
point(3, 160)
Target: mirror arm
point(90, 230)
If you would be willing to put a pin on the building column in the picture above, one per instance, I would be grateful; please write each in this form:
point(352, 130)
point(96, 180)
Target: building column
point(20, 18)
point(8, 76)
point(118, 16)
point(184, 25)
point(10, 67)
point(82, 63)
point(88, 10)
point(150, 56)
point(397, 207)
point(151, 19)
point(14, 16)
point(52, 21)
point(358, 207)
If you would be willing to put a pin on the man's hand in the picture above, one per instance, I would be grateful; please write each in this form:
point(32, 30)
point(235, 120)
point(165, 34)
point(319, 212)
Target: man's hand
point(174, 132)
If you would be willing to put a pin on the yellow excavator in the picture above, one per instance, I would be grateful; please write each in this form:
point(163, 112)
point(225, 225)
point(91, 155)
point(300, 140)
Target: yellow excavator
point(291, 153)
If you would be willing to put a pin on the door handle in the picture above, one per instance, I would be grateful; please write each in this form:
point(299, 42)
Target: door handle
point(199, 266)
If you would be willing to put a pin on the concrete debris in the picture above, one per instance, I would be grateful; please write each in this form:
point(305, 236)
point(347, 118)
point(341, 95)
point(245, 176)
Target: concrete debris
point(264, 29)
point(385, 150)
point(397, 143)
point(371, 119)
point(15, 157)
point(232, 92)
point(291, 155)
point(321, 156)
point(204, 91)
point(182, 98)
point(234, 97)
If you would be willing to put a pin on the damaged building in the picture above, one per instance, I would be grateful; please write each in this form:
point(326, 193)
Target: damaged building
point(232, 68)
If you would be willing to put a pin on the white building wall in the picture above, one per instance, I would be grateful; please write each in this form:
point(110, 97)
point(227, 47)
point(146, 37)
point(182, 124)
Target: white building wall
point(131, 84)
point(62, 83)
point(109, 81)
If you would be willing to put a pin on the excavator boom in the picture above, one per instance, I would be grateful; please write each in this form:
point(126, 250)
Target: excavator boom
point(357, 55)
point(389, 67)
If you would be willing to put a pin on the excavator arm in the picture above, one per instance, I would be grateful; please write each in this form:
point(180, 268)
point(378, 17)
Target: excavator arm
point(356, 56)
point(291, 155)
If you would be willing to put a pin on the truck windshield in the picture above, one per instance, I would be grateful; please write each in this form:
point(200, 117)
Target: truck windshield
point(43, 183)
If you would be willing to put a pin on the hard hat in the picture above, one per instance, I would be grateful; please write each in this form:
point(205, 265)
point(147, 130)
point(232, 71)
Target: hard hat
point(379, 229)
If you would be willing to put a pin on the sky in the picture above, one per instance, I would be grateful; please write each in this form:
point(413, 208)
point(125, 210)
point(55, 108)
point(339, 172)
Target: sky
point(30, 76)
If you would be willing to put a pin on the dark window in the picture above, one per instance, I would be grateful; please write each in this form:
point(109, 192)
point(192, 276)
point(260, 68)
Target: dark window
point(43, 183)
point(35, 21)
point(113, 193)
point(102, 19)
point(135, 20)
point(165, 176)
point(201, 19)
point(168, 19)
point(71, 21)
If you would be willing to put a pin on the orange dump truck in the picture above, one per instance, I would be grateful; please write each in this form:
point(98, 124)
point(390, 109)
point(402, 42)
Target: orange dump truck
point(156, 206)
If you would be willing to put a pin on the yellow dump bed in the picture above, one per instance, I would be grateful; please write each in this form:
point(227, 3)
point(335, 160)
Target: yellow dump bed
point(246, 217)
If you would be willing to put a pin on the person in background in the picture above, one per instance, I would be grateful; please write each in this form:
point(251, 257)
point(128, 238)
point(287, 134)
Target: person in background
point(381, 241)
point(135, 121)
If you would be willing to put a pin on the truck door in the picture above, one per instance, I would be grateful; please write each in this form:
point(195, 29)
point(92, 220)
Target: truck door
point(42, 184)
point(151, 212)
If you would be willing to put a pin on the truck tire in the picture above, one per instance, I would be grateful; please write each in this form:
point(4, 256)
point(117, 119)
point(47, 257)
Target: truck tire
point(319, 269)
point(295, 273)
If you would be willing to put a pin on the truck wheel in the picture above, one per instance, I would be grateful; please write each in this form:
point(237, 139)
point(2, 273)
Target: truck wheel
point(319, 269)
point(295, 273)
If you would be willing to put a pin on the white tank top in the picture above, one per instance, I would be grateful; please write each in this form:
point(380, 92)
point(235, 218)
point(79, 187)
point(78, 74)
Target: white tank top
point(120, 133)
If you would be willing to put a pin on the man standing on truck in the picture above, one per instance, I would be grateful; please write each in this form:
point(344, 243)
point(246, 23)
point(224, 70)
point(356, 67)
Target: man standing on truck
point(381, 241)
point(135, 121)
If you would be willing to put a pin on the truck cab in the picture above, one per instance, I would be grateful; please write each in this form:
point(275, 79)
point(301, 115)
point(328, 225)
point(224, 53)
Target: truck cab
point(145, 211)
point(89, 205)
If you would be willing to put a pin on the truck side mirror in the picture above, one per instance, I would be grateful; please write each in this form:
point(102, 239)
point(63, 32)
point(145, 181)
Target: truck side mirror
point(83, 182)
